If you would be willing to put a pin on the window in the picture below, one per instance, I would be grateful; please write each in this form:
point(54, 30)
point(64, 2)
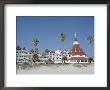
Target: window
point(82, 60)
point(85, 60)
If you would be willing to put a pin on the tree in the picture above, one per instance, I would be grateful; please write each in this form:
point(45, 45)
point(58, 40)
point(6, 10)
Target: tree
point(64, 58)
point(18, 47)
point(90, 39)
point(35, 58)
point(90, 59)
point(35, 41)
point(46, 51)
point(62, 39)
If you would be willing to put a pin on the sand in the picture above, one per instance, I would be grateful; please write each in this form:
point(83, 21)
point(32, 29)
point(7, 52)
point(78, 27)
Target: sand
point(59, 69)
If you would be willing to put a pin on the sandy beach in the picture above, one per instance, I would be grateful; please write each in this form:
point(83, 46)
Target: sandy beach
point(59, 69)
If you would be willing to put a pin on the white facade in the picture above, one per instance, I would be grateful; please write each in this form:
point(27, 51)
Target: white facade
point(77, 61)
point(43, 59)
point(57, 56)
point(26, 56)
point(23, 56)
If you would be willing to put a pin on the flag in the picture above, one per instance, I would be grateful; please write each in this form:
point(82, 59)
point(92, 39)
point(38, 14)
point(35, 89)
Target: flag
point(75, 38)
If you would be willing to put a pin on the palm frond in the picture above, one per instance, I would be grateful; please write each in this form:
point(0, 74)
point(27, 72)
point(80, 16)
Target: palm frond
point(62, 37)
point(90, 39)
point(35, 41)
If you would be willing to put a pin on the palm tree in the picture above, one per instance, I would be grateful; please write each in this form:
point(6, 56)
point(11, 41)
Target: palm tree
point(90, 59)
point(90, 39)
point(62, 39)
point(35, 57)
point(64, 58)
point(35, 41)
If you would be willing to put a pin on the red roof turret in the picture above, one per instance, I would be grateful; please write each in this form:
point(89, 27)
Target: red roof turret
point(76, 50)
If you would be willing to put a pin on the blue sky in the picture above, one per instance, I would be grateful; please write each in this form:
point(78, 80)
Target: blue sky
point(48, 28)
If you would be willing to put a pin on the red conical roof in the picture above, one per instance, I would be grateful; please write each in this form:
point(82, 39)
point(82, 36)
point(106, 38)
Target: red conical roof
point(76, 50)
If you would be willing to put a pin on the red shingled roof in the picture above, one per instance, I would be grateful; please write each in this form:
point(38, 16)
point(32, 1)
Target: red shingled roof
point(77, 53)
point(76, 50)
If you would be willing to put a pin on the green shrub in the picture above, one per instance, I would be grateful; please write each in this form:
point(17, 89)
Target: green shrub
point(26, 63)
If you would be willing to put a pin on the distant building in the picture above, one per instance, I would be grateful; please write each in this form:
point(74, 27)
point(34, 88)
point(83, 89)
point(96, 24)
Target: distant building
point(74, 55)
point(23, 56)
